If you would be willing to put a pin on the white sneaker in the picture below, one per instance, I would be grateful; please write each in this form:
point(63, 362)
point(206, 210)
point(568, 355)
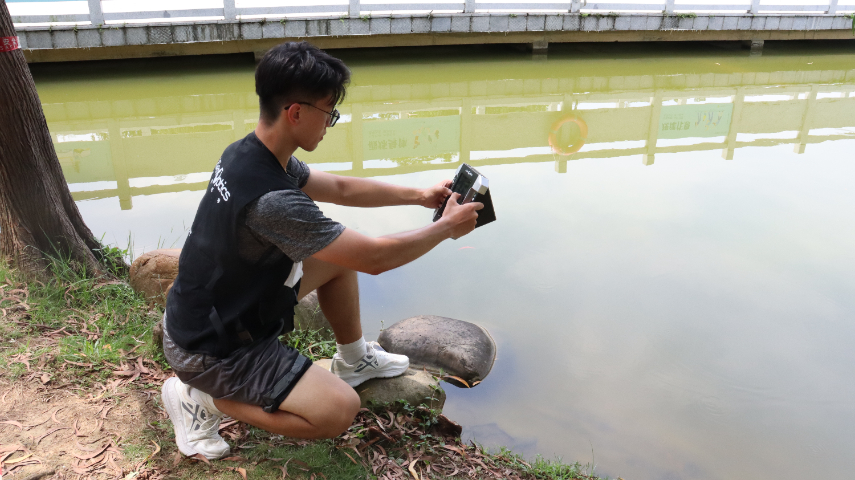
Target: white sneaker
point(377, 363)
point(196, 427)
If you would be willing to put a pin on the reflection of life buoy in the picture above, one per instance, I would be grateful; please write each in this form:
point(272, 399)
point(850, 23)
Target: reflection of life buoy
point(572, 148)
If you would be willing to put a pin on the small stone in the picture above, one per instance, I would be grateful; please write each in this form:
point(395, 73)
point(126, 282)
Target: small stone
point(455, 347)
point(157, 335)
point(152, 274)
point(416, 387)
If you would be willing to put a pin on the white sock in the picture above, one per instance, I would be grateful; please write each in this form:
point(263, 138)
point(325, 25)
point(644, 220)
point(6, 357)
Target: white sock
point(206, 400)
point(352, 352)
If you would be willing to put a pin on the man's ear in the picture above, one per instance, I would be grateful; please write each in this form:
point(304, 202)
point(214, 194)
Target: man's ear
point(292, 113)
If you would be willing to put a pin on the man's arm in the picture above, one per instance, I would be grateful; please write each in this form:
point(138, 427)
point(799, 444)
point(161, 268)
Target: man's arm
point(377, 255)
point(364, 192)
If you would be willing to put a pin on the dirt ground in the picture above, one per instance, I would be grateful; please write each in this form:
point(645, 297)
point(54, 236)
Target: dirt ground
point(61, 432)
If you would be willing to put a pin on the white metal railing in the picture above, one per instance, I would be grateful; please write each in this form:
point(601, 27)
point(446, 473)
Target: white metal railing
point(91, 11)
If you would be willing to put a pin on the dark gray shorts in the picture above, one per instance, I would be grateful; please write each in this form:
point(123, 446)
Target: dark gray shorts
point(263, 373)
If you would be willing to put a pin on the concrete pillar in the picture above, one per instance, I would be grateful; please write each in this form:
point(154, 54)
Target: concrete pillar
point(356, 155)
point(229, 10)
point(801, 140)
point(669, 6)
point(468, 6)
point(353, 9)
point(120, 168)
point(96, 15)
point(466, 129)
point(561, 166)
point(238, 125)
point(756, 46)
point(575, 6)
point(735, 121)
point(755, 7)
point(539, 47)
point(832, 7)
point(653, 128)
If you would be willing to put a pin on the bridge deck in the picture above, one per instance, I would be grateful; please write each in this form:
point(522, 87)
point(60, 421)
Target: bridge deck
point(112, 41)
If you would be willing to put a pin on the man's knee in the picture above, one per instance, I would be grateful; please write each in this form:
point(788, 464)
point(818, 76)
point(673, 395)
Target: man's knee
point(341, 411)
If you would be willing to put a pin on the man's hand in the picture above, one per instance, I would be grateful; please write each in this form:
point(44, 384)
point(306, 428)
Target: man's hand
point(433, 197)
point(461, 218)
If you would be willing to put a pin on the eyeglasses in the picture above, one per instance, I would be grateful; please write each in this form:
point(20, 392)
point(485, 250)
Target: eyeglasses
point(334, 115)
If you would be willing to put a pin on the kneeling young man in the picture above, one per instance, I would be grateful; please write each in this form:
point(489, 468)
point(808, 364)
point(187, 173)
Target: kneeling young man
point(258, 244)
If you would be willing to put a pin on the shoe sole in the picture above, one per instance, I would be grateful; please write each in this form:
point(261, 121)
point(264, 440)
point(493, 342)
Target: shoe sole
point(173, 408)
point(386, 374)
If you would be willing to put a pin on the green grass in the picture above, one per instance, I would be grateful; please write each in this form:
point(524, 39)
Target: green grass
point(104, 320)
point(314, 344)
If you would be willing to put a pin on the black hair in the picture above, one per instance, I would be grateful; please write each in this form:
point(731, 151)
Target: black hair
point(297, 72)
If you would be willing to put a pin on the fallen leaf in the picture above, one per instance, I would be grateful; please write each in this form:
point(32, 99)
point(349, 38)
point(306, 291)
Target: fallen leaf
point(141, 367)
point(93, 454)
point(464, 382)
point(413, 470)
point(234, 459)
point(351, 458)
point(284, 471)
point(241, 471)
point(104, 413)
point(12, 422)
point(52, 430)
point(45, 378)
point(155, 452)
point(201, 457)
point(18, 459)
point(53, 415)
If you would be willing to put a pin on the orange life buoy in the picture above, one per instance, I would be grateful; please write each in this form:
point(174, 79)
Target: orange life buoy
point(573, 148)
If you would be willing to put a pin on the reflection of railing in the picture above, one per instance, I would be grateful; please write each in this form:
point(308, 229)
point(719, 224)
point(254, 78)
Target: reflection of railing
point(480, 122)
point(92, 11)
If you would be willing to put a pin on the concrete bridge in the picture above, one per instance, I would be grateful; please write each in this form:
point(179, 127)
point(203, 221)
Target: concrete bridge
point(88, 30)
point(143, 146)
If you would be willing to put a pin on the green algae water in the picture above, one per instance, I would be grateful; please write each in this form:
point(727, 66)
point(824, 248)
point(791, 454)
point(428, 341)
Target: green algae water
point(670, 277)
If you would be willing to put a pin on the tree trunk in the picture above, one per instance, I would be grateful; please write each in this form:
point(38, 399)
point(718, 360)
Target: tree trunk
point(38, 217)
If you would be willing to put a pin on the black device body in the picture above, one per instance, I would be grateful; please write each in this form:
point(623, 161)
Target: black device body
point(464, 180)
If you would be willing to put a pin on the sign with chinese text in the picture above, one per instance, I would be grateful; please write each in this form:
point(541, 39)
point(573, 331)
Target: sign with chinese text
point(685, 121)
point(410, 137)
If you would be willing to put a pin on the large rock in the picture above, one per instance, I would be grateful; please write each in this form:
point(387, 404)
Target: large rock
point(152, 273)
point(416, 387)
point(308, 314)
point(457, 348)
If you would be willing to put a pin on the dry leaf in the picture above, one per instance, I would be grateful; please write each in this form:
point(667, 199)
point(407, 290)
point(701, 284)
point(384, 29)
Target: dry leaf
point(52, 430)
point(18, 459)
point(464, 382)
point(413, 470)
point(201, 457)
point(241, 471)
point(12, 422)
point(93, 454)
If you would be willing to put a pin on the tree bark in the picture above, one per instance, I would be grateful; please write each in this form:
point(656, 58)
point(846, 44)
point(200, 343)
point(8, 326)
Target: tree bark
point(38, 216)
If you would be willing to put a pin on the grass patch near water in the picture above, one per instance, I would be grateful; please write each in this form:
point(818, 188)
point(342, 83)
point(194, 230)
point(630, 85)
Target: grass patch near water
point(93, 336)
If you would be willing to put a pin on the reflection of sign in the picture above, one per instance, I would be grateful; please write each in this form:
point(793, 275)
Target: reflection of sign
point(411, 137)
point(684, 121)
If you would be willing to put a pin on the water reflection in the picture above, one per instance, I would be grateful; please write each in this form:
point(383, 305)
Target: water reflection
point(142, 146)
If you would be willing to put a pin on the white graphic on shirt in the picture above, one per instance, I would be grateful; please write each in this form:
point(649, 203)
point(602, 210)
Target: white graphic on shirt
point(219, 183)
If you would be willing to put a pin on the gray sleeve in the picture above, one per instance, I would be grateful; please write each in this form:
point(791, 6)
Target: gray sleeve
point(293, 222)
point(298, 170)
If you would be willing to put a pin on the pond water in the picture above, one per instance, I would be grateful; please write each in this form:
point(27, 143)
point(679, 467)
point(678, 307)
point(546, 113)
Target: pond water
point(671, 293)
